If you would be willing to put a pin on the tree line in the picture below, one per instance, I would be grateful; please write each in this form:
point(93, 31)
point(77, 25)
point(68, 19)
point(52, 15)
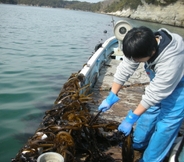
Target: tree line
point(104, 6)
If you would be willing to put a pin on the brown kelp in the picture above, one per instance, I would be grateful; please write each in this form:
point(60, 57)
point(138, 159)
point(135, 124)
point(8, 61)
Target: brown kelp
point(127, 149)
point(67, 129)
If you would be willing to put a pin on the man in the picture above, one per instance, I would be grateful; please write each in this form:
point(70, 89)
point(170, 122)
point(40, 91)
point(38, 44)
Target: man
point(160, 113)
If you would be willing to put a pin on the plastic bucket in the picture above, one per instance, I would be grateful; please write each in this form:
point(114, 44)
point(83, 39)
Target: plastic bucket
point(50, 157)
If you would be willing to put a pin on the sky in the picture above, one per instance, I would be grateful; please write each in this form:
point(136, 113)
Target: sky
point(91, 1)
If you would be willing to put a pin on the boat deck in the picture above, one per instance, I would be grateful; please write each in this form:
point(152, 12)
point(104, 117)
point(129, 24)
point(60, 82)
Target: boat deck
point(130, 94)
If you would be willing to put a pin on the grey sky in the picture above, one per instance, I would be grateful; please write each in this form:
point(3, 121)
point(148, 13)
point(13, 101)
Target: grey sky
point(92, 1)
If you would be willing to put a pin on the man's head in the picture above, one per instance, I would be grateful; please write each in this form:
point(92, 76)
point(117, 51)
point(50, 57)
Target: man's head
point(139, 43)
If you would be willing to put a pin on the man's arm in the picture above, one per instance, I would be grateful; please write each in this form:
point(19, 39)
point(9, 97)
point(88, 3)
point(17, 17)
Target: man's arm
point(139, 110)
point(115, 88)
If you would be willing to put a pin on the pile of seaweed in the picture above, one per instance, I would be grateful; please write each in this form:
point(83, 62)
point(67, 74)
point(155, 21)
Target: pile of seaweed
point(68, 128)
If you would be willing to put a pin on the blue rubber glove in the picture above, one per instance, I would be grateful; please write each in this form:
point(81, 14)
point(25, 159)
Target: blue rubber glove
point(108, 102)
point(127, 124)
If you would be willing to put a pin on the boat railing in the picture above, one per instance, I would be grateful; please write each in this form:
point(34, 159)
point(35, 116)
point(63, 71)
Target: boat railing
point(92, 68)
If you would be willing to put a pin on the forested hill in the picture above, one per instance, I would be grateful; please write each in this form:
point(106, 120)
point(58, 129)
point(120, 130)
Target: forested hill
point(76, 5)
point(104, 6)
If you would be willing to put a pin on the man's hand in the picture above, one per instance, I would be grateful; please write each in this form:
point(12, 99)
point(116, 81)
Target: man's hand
point(127, 124)
point(108, 102)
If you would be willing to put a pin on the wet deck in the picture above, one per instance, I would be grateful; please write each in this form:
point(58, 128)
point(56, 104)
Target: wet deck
point(130, 94)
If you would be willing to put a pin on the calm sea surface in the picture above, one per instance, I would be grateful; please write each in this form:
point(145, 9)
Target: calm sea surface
point(39, 49)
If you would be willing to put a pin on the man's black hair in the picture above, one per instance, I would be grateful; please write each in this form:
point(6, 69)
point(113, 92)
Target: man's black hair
point(139, 43)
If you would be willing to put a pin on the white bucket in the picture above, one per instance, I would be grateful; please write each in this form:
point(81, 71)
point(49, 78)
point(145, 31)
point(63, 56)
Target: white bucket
point(50, 157)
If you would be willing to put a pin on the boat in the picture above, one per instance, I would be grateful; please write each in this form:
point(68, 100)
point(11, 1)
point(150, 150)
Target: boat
point(74, 128)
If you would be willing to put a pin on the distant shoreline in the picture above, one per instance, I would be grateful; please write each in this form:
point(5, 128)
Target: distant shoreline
point(170, 15)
